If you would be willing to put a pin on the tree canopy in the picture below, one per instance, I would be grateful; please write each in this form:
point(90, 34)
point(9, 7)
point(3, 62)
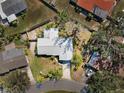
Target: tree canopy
point(105, 82)
point(104, 41)
point(15, 82)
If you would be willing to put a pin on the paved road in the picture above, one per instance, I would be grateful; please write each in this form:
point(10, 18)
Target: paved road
point(67, 85)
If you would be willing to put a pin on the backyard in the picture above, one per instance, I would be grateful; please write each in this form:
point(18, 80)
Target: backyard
point(64, 5)
point(35, 14)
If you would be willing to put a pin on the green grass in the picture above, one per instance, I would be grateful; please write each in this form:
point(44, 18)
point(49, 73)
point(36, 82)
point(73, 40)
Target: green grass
point(64, 5)
point(60, 92)
point(36, 66)
point(119, 7)
point(44, 65)
point(36, 13)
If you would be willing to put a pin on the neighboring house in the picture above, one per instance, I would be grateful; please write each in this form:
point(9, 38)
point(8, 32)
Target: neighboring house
point(9, 9)
point(52, 44)
point(12, 59)
point(99, 8)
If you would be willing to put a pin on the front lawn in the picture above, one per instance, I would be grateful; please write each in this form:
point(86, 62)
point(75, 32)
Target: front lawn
point(119, 7)
point(36, 13)
point(41, 66)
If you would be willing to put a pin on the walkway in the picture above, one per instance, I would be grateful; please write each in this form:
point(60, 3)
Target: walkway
point(30, 75)
point(66, 71)
point(32, 36)
point(66, 85)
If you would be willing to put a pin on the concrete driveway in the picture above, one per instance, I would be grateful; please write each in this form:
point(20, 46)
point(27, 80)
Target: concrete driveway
point(66, 71)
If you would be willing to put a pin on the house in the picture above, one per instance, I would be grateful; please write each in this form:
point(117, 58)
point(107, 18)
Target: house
point(52, 44)
point(12, 59)
point(100, 9)
point(9, 9)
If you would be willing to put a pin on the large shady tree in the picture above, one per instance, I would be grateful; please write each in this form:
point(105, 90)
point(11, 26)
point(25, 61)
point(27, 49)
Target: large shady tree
point(104, 42)
point(105, 82)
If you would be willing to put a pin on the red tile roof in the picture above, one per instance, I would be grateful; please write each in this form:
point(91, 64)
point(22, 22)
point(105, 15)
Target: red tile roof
point(103, 4)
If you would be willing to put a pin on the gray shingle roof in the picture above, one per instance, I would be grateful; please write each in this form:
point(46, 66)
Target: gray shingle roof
point(13, 6)
point(100, 12)
point(12, 59)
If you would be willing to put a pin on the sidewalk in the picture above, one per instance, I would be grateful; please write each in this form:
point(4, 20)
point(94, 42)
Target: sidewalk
point(30, 75)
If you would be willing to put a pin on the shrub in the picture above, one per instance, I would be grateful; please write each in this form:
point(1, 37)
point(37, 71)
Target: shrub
point(77, 60)
point(55, 74)
point(39, 79)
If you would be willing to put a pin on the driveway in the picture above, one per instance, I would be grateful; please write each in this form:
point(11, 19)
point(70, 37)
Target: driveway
point(66, 85)
point(66, 71)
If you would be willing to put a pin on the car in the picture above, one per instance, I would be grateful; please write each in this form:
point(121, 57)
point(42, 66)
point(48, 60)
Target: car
point(89, 72)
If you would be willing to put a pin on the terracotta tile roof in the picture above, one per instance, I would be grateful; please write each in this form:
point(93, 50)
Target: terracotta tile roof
point(90, 4)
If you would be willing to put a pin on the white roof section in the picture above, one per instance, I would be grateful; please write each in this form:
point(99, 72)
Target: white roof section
point(11, 18)
point(44, 42)
point(67, 50)
point(51, 33)
point(62, 47)
point(2, 14)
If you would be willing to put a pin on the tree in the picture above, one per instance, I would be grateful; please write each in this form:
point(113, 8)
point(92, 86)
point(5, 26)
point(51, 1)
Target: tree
point(62, 19)
point(3, 40)
point(16, 82)
point(105, 82)
point(63, 16)
point(77, 60)
point(103, 40)
point(55, 74)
